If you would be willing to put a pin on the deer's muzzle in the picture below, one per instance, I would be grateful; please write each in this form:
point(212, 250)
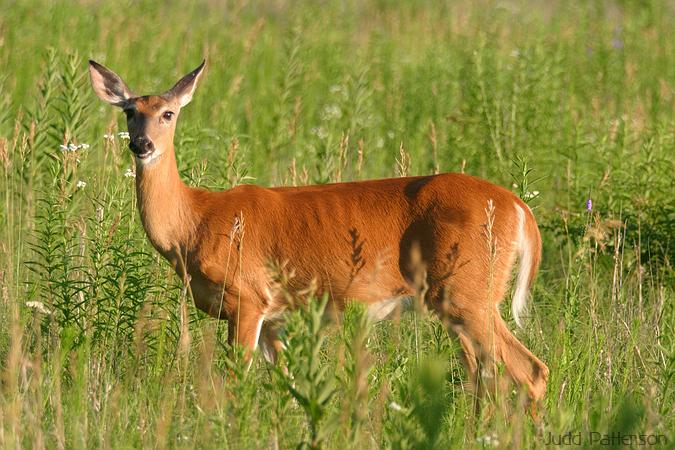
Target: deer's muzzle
point(142, 147)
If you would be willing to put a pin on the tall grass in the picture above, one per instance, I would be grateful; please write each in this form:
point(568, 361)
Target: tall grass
point(563, 102)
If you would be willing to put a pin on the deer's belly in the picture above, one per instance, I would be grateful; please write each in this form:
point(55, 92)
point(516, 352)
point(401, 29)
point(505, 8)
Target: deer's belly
point(389, 307)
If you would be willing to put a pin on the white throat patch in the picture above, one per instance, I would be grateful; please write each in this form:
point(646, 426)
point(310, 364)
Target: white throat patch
point(154, 156)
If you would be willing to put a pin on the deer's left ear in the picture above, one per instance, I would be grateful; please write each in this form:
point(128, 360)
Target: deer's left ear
point(183, 90)
point(108, 85)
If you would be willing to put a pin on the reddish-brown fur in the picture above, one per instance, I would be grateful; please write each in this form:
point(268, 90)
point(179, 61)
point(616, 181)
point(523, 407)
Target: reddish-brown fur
point(353, 241)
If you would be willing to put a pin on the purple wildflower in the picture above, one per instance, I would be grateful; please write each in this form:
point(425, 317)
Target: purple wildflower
point(589, 205)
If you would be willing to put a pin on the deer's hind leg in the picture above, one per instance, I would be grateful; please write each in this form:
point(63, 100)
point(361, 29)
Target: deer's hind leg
point(486, 341)
point(465, 307)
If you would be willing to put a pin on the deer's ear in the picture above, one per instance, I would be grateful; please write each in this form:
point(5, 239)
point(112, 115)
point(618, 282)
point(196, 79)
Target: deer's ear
point(183, 90)
point(108, 85)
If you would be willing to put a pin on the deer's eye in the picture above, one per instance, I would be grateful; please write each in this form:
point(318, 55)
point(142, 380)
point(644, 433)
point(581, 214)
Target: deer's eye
point(167, 115)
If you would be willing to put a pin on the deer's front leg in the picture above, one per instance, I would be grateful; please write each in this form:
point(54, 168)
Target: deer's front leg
point(244, 325)
point(270, 344)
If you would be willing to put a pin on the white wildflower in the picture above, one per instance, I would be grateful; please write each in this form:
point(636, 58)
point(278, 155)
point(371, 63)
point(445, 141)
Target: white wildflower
point(73, 147)
point(123, 135)
point(336, 88)
point(515, 53)
point(331, 112)
point(129, 174)
point(109, 137)
point(320, 132)
point(395, 406)
point(530, 195)
point(390, 135)
point(379, 143)
point(39, 307)
point(81, 184)
point(490, 440)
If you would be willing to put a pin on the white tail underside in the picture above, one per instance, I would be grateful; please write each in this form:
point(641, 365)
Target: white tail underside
point(519, 301)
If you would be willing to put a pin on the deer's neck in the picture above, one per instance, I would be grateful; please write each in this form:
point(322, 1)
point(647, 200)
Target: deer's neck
point(166, 206)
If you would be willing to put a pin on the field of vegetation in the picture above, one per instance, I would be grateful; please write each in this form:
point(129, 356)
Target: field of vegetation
point(569, 104)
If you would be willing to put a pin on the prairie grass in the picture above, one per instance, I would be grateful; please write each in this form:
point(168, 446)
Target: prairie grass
point(564, 102)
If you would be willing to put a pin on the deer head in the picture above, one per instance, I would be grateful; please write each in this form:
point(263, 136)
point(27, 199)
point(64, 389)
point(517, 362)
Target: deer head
point(151, 119)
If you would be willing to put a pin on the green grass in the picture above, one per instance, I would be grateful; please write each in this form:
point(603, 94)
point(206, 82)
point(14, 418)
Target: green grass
point(572, 100)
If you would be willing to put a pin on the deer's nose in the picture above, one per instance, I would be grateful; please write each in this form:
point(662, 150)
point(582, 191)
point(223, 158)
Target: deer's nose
point(141, 145)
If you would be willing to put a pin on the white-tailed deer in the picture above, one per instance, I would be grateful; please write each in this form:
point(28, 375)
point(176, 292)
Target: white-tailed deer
point(353, 241)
